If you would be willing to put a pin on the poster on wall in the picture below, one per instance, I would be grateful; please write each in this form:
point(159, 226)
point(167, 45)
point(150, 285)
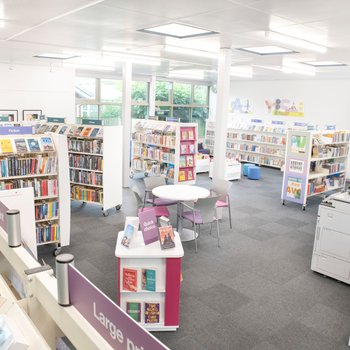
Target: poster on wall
point(241, 106)
point(30, 115)
point(285, 107)
point(8, 115)
point(298, 144)
point(296, 166)
point(294, 187)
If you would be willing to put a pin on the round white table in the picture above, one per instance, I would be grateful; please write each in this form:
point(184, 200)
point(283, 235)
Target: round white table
point(181, 193)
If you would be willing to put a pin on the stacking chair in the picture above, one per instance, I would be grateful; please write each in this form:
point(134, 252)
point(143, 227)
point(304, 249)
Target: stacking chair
point(159, 210)
point(152, 182)
point(221, 188)
point(202, 212)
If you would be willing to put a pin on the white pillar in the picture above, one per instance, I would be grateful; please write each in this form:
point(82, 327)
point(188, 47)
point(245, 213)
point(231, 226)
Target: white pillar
point(152, 96)
point(126, 120)
point(222, 102)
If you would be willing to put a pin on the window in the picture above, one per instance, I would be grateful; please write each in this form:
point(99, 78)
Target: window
point(85, 88)
point(182, 94)
point(139, 92)
point(139, 112)
point(163, 92)
point(183, 113)
point(199, 115)
point(200, 94)
point(111, 114)
point(111, 91)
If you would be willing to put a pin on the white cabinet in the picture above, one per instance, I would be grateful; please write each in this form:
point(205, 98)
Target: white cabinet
point(233, 170)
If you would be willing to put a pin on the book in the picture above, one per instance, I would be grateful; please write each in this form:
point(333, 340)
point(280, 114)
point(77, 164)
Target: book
point(164, 221)
point(183, 148)
point(182, 175)
point(94, 132)
point(189, 175)
point(33, 145)
point(54, 128)
point(47, 144)
point(72, 130)
point(78, 130)
point(190, 135)
point(152, 311)
point(130, 230)
point(191, 148)
point(166, 237)
point(182, 161)
point(21, 146)
point(189, 160)
point(63, 130)
point(86, 132)
point(149, 227)
point(184, 135)
point(100, 133)
point(130, 279)
point(133, 309)
point(6, 146)
point(148, 280)
point(42, 128)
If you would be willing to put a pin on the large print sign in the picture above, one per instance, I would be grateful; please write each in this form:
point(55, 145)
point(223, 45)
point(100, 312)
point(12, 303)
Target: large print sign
point(117, 328)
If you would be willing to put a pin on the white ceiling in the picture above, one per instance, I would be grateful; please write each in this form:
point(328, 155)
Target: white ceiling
point(90, 28)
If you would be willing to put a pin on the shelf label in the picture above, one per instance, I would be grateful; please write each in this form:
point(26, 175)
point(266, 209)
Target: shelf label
point(256, 120)
point(3, 211)
point(114, 325)
point(56, 120)
point(91, 122)
point(331, 127)
point(278, 122)
point(300, 124)
point(16, 130)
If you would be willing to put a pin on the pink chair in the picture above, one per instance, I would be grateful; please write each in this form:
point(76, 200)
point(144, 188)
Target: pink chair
point(152, 182)
point(222, 188)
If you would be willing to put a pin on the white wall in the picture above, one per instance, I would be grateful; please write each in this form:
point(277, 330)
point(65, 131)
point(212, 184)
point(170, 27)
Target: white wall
point(325, 101)
point(32, 87)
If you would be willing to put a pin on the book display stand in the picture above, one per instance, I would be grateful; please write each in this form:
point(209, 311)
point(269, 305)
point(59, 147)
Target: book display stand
point(165, 149)
point(315, 164)
point(149, 281)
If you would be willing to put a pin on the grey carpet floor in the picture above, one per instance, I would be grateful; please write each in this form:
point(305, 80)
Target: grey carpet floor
point(255, 292)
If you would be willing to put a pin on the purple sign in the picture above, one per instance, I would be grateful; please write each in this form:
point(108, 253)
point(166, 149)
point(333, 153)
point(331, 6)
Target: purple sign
point(3, 210)
point(278, 122)
point(16, 130)
point(300, 124)
point(149, 226)
point(256, 120)
point(117, 328)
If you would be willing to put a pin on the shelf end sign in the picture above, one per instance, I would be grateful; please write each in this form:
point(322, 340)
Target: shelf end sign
point(114, 325)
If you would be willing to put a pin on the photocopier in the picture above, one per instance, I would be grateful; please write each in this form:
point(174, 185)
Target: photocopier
point(331, 252)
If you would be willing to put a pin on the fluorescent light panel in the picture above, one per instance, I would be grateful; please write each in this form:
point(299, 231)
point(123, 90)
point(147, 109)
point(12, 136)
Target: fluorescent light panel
point(177, 30)
point(56, 56)
point(88, 66)
point(325, 64)
point(267, 50)
point(190, 52)
point(290, 40)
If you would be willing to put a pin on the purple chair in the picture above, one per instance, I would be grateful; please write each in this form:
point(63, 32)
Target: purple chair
point(151, 183)
point(202, 212)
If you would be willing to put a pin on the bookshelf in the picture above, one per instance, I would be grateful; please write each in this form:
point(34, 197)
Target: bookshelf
point(167, 266)
point(165, 149)
point(259, 144)
point(40, 162)
point(95, 158)
point(315, 164)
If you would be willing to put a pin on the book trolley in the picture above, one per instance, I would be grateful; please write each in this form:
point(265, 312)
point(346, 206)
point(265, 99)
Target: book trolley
point(165, 149)
point(315, 164)
point(163, 301)
point(40, 162)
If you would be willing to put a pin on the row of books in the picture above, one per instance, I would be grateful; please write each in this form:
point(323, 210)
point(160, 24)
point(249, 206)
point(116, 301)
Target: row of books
point(69, 130)
point(86, 161)
point(187, 148)
point(186, 161)
point(257, 159)
point(42, 187)
point(29, 145)
point(154, 153)
point(186, 175)
point(187, 134)
point(324, 184)
point(150, 312)
point(256, 148)
point(131, 279)
point(86, 194)
point(47, 232)
point(153, 168)
point(86, 146)
point(159, 128)
point(85, 177)
point(329, 151)
point(327, 167)
point(47, 210)
point(260, 128)
point(152, 138)
point(330, 137)
point(19, 166)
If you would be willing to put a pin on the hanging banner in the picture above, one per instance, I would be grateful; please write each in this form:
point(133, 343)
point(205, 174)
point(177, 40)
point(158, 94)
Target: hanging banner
point(91, 122)
point(285, 107)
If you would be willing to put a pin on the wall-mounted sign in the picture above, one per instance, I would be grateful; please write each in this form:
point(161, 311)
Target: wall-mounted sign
point(16, 130)
point(91, 122)
point(285, 107)
point(331, 127)
point(55, 120)
point(256, 121)
point(115, 326)
point(278, 122)
point(241, 106)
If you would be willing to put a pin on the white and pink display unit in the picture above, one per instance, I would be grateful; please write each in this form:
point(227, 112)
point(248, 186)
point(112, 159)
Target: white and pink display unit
point(167, 264)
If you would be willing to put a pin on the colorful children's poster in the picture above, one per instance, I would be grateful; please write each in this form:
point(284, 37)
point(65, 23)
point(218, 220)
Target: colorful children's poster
point(294, 187)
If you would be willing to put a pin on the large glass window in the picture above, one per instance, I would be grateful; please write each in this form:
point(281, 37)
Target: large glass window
point(139, 112)
point(183, 113)
point(111, 114)
point(111, 91)
point(139, 92)
point(199, 115)
point(182, 94)
point(85, 88)
point(163, 91)
point(200, 94)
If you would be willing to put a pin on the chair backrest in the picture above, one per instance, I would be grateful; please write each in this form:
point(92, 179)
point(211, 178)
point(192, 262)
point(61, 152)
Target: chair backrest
point(137, 195)
point(221, 187)
point(154, 181)
point(207, 208)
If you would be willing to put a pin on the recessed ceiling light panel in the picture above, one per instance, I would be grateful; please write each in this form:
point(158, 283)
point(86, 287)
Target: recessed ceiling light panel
point(267, 50)
point(325, 64)
point(56, 56)
point(177, 30)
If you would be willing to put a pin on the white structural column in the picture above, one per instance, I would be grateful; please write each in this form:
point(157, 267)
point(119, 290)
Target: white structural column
point(126, 120)
point(152, 96)
point(222, 103)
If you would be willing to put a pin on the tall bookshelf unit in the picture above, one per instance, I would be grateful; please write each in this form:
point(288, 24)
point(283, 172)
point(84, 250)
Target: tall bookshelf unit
point(315, 164)
point(41, 162)
point(165, 149)
point(259, 144)
point(95, 166)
